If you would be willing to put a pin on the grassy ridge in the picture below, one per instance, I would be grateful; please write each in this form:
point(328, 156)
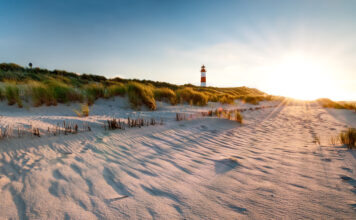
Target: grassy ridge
point(189, 95)
point(140, 94)
point(348, 137)
point(165, 94)
point(44, 87)
point(327, 103)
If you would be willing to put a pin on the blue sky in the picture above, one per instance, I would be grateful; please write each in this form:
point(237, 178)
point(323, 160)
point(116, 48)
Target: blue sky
point(275, 46)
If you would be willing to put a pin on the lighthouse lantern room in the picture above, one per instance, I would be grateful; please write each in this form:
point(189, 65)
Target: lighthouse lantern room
point(203, 76)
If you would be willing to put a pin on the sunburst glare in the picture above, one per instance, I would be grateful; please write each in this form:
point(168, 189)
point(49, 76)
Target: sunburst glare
point(301, 76)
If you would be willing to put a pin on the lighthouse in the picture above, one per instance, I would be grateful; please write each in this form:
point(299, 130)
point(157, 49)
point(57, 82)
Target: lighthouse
point(203, 76)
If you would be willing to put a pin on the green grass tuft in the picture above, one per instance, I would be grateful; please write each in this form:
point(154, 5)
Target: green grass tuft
point(348, 137)
point(238, 116)
point(83, 112)
point(94, 91)
point(165, 94)
point(188, 95)
point(52, 93)
point(115, 90)
point(327, 103)
point(2, 94)
point(140, 94)
point(12, 94)
point(41, 94)
point(226, 99)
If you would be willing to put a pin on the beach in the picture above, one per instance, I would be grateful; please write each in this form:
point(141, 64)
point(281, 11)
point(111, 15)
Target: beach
point(277, 164)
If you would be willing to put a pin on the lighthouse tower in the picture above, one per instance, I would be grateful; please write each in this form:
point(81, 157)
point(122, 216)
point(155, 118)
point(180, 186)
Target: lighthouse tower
point(203, 76)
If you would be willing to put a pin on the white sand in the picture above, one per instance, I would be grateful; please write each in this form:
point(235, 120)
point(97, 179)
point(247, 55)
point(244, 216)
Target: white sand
point(268, 168)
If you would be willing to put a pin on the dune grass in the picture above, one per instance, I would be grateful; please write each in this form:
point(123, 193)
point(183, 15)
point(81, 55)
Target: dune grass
point(12, 94)
point(165, 94)
point(238, 117)
point(223, 99)
point(93, 91)
point(327, 103)
point(118, 89)
point(253, 99)
point(50, 87)
point(140, 94)
point(348, 137)
point(83, 112)
point(188, 95)
point(2, 94)
point(63, 93)
point(41, 94)
point(51, 93)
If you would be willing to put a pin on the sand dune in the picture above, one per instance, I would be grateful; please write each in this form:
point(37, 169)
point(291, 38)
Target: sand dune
point(268, 168)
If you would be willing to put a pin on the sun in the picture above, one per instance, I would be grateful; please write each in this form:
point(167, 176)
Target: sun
point(298, 75)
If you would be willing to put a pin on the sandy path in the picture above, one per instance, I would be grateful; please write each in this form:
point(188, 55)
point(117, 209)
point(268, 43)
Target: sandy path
point(268, 168)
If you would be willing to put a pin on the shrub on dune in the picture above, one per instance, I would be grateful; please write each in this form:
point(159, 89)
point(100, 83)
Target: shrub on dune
point(348, 137)
point(52, 92)
point(140, 94)
point(12, 94)
point(115, 90)
point(188, 95)
point(252, 99)
point(2, 95)
point(94, 91)
point(226, 99)
point(11, 67)
point(83, 112)
point(327, 103)
point(350, 106)
point(213, 98)
point(41, 94)
point(238, 116)
point(63, 93)
point(165, 94)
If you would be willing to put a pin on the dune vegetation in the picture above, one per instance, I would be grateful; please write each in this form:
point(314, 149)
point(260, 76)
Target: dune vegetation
point(327, 103)
point(140, 94)
point(165, 94)
point(188, 95)
point(12, 94)
point(37, 87)
point(348, 137)
point(83, 112)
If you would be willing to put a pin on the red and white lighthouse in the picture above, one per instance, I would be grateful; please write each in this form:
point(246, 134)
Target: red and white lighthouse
point(203, 76)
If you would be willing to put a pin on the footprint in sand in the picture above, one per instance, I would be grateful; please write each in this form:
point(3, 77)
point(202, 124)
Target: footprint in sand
point(65, 155)
point(116, 198)
point(58, 175)
point(203, 127)
point(326, 159)
point(115, 184)
point(350, 181)
point(347, 169)
point(85, 149)
point(225, 165)
point(54, 189)
point(91, 147)
point(346, 178)
point(78, 159)
point(76, 169)
point(237, 209)
point(214, 131)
